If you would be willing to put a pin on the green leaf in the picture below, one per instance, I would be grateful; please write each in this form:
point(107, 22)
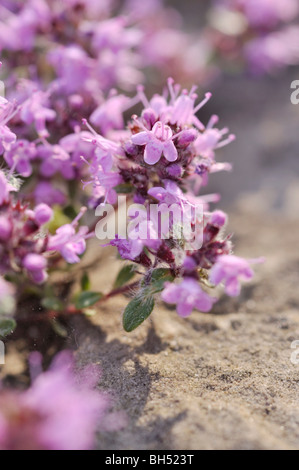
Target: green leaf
point(138, 310)
point(52, 303)
point(85, 282)
point(87, 298)
point(7, 326)
point(124, 275)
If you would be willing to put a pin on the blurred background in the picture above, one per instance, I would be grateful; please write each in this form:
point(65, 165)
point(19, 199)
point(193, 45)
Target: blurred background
point(265, 155)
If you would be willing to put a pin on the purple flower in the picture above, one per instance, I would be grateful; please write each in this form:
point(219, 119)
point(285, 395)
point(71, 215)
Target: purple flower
point(20, 155)
point(46, 193)
point(229, 269)
point(60, 411)
point(55, 160)
point(187, 295)
point(128, 249)
point(109, 115)
point(171, 194)
point(268, 13)
point(7, 138)
point(210, 140)
point(72, 66)
point(273, 51)
point(78, 145)
point(158, 141)
point(107, 183)
point(34, 110)
point(69, 242)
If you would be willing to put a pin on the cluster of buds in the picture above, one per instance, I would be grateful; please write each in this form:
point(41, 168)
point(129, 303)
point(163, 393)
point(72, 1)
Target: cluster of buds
point(25, 246)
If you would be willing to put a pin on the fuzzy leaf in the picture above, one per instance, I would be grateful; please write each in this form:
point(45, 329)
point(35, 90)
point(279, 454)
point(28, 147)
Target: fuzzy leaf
point(138, 310)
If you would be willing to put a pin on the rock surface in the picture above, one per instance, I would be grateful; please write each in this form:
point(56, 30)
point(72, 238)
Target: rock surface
point(222, 380)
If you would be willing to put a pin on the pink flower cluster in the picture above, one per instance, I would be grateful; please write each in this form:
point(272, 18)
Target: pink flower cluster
point(163, 157)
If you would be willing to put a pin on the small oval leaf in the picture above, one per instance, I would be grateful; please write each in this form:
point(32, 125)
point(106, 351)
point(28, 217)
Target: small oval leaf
point(87, 299)
point(138, 310)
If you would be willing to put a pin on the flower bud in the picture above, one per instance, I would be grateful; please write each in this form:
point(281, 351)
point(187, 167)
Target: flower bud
point(42, 214)
point(218, 218)
point(34, 262)
point(187, 136)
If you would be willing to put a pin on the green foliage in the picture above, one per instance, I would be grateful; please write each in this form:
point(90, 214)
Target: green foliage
point(125, 275)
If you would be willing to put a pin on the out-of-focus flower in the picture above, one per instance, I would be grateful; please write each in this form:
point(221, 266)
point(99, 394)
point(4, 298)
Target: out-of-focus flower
point(35, 110)
point(42, 214)
point(69, 242)
point(20, 155)
point(263, 33)
point(273, 51)
point(60, 411)
point(45, 192)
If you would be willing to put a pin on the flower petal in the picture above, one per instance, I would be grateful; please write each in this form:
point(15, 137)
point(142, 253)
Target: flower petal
point(153, 152)
point(170, 152)
point(141, 138)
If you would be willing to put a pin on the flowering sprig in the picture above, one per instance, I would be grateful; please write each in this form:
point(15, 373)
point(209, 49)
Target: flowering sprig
point(162, 158)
